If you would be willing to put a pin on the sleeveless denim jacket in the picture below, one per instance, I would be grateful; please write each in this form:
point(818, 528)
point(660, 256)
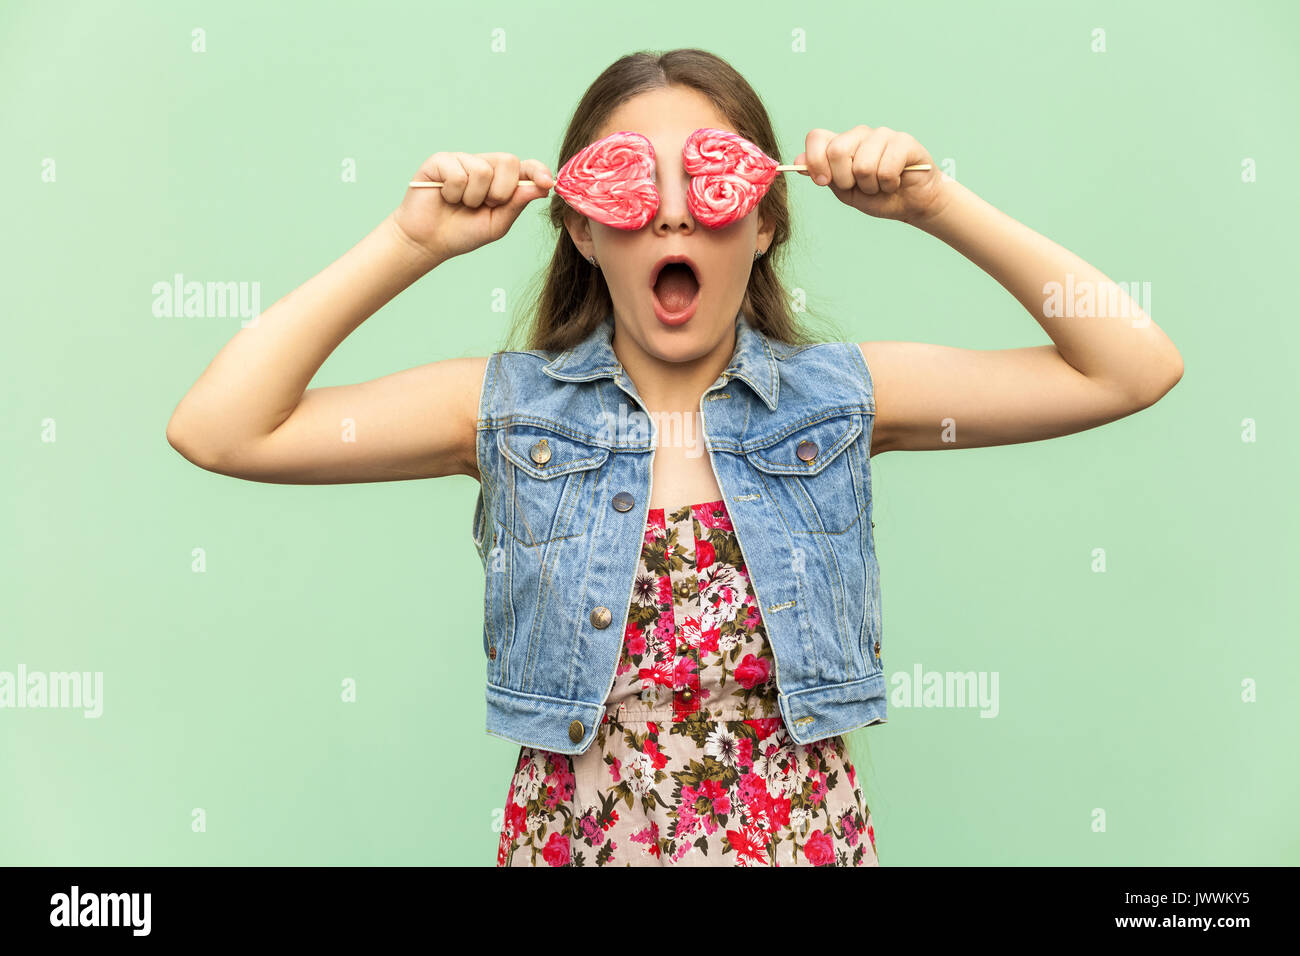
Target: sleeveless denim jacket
point(565, 448)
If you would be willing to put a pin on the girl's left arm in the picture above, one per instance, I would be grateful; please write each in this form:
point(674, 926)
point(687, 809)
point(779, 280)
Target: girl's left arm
point(1107, 360)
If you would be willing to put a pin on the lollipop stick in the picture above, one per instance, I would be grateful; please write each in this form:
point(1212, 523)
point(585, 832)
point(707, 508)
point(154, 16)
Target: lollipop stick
point(426, 184)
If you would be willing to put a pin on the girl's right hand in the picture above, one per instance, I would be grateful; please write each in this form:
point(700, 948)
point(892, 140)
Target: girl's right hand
point(480, 201)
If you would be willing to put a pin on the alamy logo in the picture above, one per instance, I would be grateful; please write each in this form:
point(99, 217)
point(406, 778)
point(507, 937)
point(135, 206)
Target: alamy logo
point(68, 690)
point(923, 688)
point(207, 300)
point(101, 909)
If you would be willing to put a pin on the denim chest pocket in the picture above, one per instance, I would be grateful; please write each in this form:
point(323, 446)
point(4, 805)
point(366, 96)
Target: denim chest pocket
point(817, 472)
point(548, 484)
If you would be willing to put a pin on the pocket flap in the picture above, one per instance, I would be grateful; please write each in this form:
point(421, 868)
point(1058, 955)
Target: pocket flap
point(828, 438)
point(546, 454)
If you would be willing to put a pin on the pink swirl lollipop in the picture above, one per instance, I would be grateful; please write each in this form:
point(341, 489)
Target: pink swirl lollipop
point(612, 181)
point(729, 176)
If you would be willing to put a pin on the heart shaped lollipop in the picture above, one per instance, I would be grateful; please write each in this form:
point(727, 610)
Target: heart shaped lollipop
point(729, 176)
point(612, 181)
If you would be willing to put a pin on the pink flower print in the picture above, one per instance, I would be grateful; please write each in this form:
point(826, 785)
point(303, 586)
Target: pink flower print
point(556, 851)
point(752, 790)
point(819, 789)
point(850, 827)
point(649, 836)
point(688, 822)
point(819, 850)
point(750, 671)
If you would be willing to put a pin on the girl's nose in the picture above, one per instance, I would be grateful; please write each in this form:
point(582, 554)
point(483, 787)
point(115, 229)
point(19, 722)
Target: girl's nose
point(672, 185)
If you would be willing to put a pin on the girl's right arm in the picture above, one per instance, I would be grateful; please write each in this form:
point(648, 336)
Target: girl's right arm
point(250, 414)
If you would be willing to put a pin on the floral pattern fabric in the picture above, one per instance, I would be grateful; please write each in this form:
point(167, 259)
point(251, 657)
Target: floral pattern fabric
point(692, 764)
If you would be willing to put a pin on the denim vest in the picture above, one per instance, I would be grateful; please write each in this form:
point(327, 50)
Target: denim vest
point(565, 447)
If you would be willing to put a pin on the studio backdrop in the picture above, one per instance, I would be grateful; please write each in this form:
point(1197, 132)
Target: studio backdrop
point(1091, 641)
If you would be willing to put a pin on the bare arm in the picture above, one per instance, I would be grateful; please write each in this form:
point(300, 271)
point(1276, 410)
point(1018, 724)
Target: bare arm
point(250, 416)
point(1103, 365)
point(247, 415)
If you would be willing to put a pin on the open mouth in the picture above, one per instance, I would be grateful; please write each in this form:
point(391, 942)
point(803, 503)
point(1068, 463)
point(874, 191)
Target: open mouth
point(675, 285)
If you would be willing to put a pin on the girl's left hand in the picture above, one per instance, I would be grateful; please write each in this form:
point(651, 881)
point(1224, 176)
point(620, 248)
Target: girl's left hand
point(864, 167)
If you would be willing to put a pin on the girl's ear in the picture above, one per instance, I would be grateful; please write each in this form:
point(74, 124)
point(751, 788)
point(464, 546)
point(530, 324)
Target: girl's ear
point(579, 229)
point(766, 230)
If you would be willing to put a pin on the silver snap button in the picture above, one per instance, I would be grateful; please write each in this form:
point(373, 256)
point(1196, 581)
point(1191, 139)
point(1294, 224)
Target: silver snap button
point(600, 616)
point(623, 501)
point(541, 452)
point(807, 450)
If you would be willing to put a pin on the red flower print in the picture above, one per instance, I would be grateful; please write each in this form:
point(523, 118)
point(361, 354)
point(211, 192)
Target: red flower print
point(666, 595)
point(764, 727)
point(516, 819)
point(778, 810)
point(717, 794)
point(750, 845)
point(703, 554)
point(705, 516)
point(634, 639)
point(652, 751)
point(750, 671)
point(556, 851)
point(819, 849)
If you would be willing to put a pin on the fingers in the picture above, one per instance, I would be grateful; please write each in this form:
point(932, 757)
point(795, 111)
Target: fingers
point(536, 171)
point(819, 167)
point(446, 168)
point(889, 171)
point(870, 159)
point(865, 163)
point(485, 179)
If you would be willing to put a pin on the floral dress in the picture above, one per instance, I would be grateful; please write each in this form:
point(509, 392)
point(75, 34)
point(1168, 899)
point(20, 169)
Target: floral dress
point(692, 764)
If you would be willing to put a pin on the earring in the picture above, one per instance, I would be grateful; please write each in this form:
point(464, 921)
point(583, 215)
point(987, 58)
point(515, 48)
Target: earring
point(758, 254)
point(592, 260)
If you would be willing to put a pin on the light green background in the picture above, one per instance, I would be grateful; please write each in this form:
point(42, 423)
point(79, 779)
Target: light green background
point(1120, 691)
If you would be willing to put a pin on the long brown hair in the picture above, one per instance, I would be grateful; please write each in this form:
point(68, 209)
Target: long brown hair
point(574, 297)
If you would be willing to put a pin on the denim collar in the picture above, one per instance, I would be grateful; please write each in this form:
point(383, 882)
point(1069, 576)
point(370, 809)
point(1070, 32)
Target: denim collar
point(752, 360)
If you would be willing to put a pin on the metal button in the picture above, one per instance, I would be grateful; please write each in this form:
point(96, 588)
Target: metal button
point(575, 731)
point(623, 501)
point(541, 452)
point(600, 616)
point(492, 653)
point(877, 648)
point(807, 450)
point(686, 694)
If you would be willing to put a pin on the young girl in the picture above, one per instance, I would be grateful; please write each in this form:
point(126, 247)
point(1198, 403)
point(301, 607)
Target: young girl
point(704, 727)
